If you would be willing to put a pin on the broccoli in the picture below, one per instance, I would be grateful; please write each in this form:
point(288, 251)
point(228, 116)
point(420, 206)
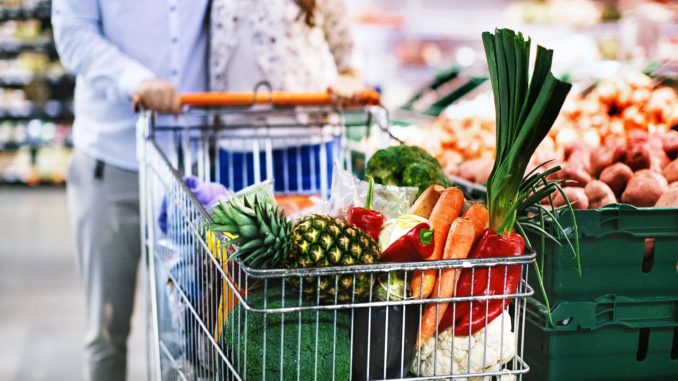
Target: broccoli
point(244, 337)
point(422, 175)
point(406, 166)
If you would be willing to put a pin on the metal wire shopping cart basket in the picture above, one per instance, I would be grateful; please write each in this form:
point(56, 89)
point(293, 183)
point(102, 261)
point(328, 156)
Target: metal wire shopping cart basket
point(215, 319)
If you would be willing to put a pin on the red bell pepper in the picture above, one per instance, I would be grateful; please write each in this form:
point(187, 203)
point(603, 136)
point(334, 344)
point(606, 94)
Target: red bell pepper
point(470, 317)
point(366, 219)
point(415, 245)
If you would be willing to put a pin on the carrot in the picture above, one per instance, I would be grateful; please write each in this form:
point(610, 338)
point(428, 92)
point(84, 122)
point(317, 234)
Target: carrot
point(447, 208)
point(480, 217)
point(458, 245)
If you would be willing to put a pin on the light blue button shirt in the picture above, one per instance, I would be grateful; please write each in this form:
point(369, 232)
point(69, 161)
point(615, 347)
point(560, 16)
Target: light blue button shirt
point(114, 45)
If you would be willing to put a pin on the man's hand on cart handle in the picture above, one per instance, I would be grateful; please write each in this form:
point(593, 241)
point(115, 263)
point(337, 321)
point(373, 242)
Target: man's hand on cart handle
point(157, 95)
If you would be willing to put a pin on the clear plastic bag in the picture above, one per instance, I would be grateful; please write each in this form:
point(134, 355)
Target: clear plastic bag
point(262, 190)
point(347, 190)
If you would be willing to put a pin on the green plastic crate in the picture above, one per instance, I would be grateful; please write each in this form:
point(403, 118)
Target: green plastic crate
point(605, 311)
point(634, 349)
point(613, 242)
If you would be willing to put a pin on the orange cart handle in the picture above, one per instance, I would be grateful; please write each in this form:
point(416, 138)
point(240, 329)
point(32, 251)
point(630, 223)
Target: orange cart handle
point(366, 97)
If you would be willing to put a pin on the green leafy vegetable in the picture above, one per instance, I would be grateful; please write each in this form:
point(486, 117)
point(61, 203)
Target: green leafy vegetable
point(288, 346)
point(526, 108)
point(525, 111)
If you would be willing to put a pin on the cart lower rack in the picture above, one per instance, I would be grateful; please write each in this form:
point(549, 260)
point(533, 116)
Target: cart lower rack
point(215, 319)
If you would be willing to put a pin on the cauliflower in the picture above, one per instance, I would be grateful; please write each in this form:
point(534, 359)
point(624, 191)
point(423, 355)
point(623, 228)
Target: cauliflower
point(496, 343)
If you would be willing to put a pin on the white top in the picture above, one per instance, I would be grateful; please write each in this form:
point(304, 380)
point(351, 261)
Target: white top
point(113, 46)
point(243, 72)
point(291, 55)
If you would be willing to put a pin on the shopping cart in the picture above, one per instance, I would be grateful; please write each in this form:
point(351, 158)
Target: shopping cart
point(215, 319)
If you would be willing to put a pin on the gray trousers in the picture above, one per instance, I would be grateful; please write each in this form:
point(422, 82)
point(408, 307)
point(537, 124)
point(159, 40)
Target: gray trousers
point(104, 210)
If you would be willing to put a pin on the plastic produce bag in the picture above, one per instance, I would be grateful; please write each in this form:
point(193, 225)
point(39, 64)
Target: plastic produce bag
point(347, 190)
point(206, 193)
point(262, 190)
point(183, 265)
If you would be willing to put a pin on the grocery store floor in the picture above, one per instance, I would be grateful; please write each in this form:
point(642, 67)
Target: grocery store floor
point(41, 307)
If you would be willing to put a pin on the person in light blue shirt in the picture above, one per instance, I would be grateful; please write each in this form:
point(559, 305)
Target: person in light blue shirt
point(150, 50)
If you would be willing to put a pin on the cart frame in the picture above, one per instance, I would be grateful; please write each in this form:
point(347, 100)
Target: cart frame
point(220, 283)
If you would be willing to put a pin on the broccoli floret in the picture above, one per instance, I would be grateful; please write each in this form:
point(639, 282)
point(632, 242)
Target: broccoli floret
point(423, 174)
point(406, 166)
point(245, 332)
point(413, 154)
point(419, 175)
point(385, 167)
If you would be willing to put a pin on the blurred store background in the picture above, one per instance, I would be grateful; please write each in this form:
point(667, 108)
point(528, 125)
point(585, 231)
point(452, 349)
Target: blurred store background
point(425, 56)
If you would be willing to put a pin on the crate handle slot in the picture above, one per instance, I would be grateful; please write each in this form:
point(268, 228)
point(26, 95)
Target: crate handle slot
point(648, 255)
point(643, 343)
point(280, 98)
point(674, 345)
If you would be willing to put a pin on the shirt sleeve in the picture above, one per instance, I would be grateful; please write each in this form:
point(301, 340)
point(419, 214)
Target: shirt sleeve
point(337, 29)
point(217, 62)
point(84, 50)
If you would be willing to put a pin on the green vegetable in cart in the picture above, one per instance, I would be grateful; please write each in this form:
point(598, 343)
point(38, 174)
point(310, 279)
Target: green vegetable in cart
point(391, 287)
point(282, 346)
point(406, 166)
point(526, 108)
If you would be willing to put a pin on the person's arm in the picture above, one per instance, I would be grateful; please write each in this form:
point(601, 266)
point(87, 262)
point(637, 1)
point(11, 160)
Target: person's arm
point(337, 30)
point(218, 63)
point(85, 51)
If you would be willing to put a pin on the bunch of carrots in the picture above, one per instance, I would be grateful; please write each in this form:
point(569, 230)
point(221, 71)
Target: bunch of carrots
point(454, 233)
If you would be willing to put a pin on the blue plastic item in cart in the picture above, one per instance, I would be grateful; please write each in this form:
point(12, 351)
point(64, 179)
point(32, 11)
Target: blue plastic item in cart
point(296, 169)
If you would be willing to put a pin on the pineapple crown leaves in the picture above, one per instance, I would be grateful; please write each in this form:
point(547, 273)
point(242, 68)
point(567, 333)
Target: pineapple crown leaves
point(264, 235)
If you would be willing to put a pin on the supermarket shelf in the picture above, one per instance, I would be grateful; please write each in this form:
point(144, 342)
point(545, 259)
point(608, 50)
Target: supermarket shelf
point(64, 79)
point(41, 12)
point(14, 147)
point(15, 47)
point(24, 113)
point(52, 109)
point(59, 117)
point(40, 184)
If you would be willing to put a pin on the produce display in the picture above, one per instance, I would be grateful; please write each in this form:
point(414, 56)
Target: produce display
point(467, 139)
point(615, 108)
point(632, 115)
point(439, 225)
point(638, 171)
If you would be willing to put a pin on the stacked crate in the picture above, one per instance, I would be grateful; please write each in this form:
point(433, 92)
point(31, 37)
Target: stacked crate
point(619, 319)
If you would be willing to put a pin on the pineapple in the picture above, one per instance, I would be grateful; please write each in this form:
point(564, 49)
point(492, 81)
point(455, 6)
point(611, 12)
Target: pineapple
point(327, 241)
point(267, 239)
